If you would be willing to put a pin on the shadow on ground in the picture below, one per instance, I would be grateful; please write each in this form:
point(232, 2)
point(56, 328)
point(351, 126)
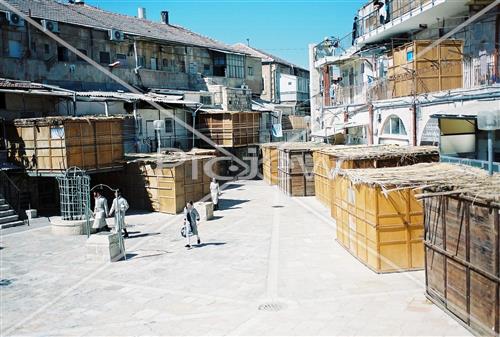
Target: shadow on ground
point(226, 204)
point(209, 244)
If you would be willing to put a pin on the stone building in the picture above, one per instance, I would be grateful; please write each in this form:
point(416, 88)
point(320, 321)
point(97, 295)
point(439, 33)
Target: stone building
point(284, 83)
point(144, 53)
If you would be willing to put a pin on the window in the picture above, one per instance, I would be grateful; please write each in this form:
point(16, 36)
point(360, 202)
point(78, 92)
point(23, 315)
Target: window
point(394, 126)
point(219, 64)
point(46, 48)
point(206, 100)
point(123, 60)
point(250, 71)
point(165, 64)
point(154, 63)
point(206, 69)
point(235, 66)
point(84, 52)
point(56, 132)
point(62, 54)
point(409, 55)
point(15, 49)
point(169, 125)
point(3, 102)
point(141, 61)
point(104, 57)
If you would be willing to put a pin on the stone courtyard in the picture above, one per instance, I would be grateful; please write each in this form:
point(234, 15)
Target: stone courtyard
point(268, 265)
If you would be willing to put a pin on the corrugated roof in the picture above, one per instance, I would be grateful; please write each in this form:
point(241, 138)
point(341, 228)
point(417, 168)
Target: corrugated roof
point(89, 16)
point(15, 84)
point(265, 56)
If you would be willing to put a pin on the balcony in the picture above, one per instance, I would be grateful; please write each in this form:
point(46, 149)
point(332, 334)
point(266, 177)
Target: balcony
point(403, 16)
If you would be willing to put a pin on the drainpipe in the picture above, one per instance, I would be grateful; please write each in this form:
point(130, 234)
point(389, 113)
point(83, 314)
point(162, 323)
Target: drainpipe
point(106, 108)
point(326, 85)
point(74, 104)
point(194, 121)
point(497, 41)
point(413, 110)
point(370, 124)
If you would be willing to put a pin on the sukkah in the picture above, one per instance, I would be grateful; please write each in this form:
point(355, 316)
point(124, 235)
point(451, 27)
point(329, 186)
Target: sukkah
point(379, 218)
point(363, 156)
point(441, 178)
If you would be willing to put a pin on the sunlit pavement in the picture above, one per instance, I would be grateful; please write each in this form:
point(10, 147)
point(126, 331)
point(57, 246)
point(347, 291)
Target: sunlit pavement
point(268, 265)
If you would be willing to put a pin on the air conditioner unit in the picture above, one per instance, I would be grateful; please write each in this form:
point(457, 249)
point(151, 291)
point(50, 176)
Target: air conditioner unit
point(51, 26)
point(15, 20)
point(116, 35)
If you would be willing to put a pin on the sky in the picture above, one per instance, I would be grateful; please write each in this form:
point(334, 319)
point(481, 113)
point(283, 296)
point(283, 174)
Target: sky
point(283, 28)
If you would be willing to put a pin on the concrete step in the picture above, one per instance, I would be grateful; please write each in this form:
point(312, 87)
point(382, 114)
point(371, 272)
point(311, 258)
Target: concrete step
point(6, 213)
point(2, 202)
point(8, 218)
point(4, 207)
point(11, 224)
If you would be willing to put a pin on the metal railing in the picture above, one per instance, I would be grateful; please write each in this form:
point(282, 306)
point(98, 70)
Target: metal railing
point(477, 71)
point(471, 162)
point(11, 193)
point(394, 10)
point(362, 93)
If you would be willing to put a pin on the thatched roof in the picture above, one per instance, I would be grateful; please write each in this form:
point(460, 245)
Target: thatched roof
point(434, 179)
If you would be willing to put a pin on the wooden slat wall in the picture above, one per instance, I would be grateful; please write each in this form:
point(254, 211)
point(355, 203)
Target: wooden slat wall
point(166, 189)
point(90, 144)
point(438, 69)
point(324, 163)
point(231, 129)
point(295, 172)
point(384, 232)
point(270, 165)
point(462, 245)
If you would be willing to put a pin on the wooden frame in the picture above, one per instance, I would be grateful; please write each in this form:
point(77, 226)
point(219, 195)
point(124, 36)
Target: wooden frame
point(383, 231)
point(230, 129)
point(462, 245)
point(438, 69)
point(56, 143)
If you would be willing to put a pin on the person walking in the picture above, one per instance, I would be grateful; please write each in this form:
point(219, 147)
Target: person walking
point(100, 212)
point(215, 193)
point(191, 217)
point(119, 207)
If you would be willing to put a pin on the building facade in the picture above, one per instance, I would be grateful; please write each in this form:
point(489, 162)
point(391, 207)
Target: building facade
point(143, 53)
point(284, 83)
point(407, 73)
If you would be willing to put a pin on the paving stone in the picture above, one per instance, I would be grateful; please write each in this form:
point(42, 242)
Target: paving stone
point(215, 289)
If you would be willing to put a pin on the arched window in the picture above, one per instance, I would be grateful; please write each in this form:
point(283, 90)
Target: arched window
point(394, 126)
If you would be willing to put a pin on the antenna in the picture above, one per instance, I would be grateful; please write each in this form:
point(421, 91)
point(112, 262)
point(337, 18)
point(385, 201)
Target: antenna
point(248, 42)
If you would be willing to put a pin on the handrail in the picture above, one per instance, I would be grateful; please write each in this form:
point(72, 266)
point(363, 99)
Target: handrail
point(11, 193)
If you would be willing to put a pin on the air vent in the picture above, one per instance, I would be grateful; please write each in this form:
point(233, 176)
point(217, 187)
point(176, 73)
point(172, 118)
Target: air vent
point(116, 35)
point(15, 20)
point(51, 26)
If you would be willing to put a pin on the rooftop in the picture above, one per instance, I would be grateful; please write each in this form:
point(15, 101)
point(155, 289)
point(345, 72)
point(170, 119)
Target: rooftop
point(89, 16)
point(265, 56)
